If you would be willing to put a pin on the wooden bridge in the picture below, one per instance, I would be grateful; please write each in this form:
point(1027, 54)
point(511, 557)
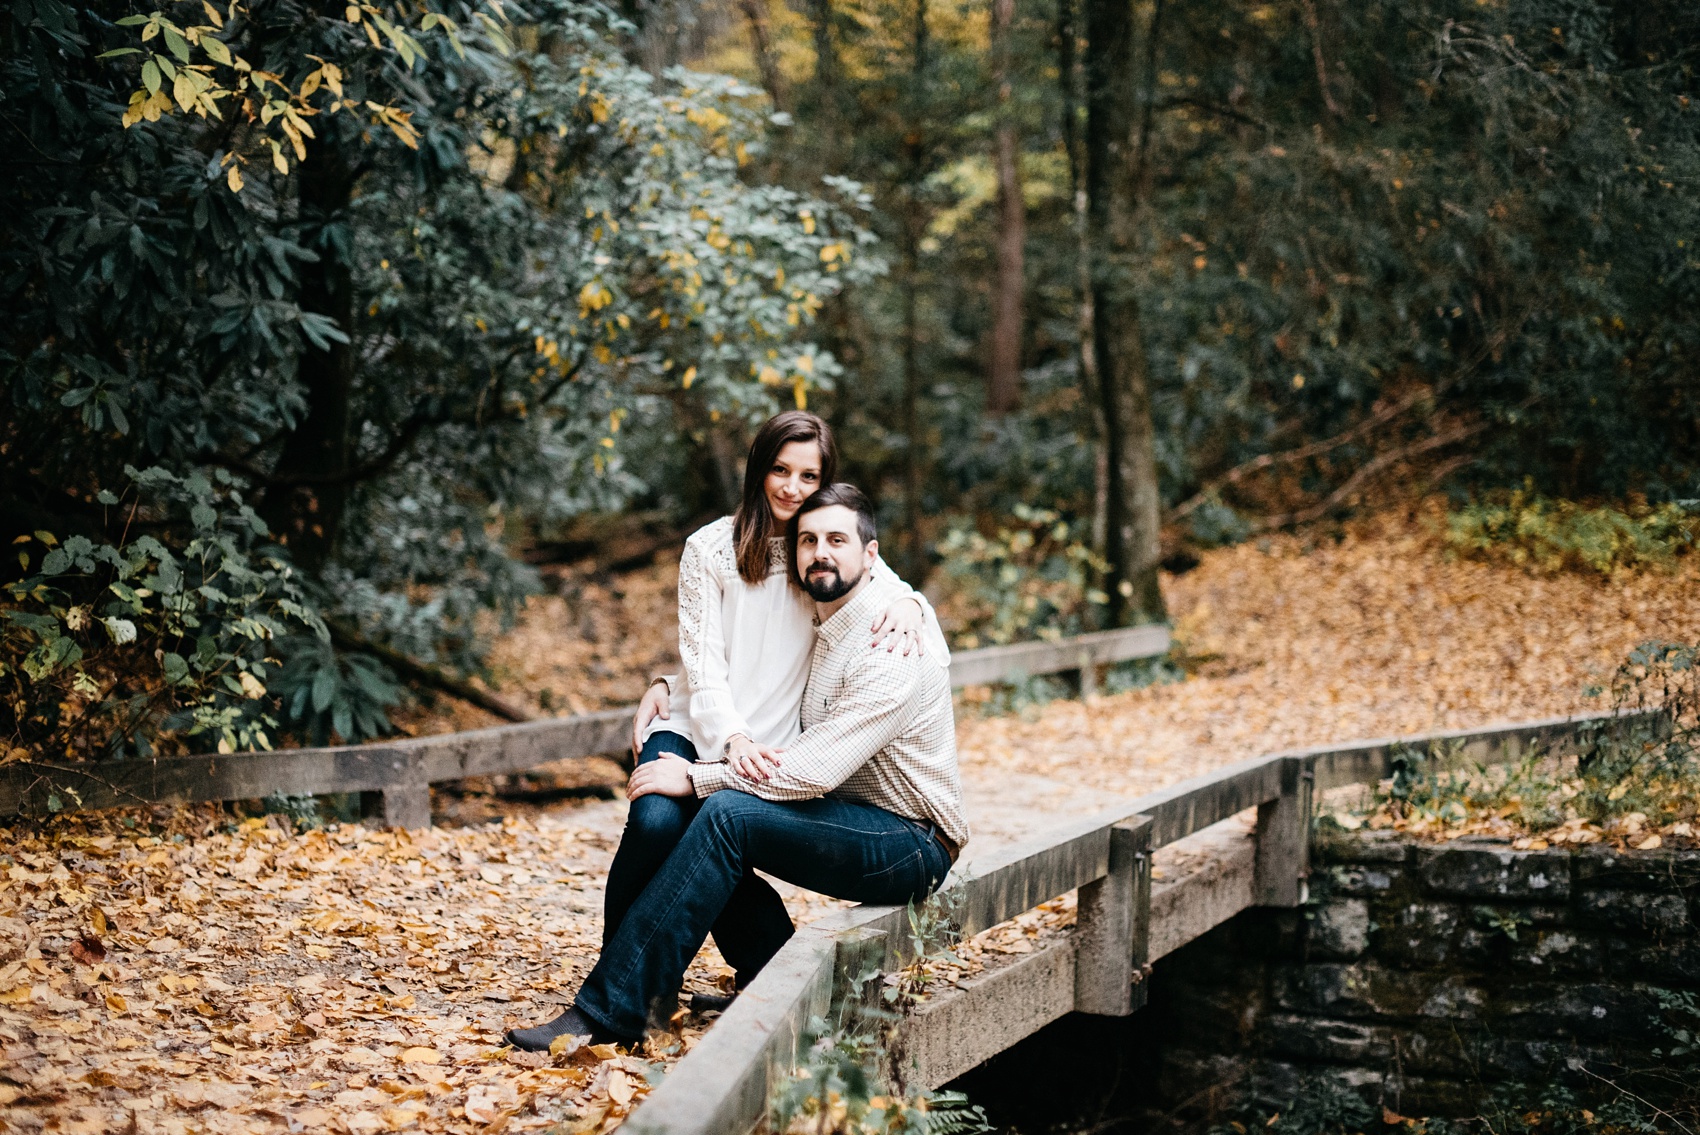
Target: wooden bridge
point(1218, 859)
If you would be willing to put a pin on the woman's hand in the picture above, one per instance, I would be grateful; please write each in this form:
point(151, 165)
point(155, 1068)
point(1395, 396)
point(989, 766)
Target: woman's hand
point(901, 623)
point(654, 704)
point(750, 760)
point(667, 775)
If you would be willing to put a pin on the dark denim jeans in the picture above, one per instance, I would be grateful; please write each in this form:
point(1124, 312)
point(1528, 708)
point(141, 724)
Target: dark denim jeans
point(754, 924)
point(837, 847)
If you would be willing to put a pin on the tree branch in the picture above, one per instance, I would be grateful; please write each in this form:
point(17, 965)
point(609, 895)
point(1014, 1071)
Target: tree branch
point(1386, 414)
point(1364, 473)
point(425, 674)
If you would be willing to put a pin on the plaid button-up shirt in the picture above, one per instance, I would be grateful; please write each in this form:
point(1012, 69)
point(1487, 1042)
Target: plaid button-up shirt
point(878, 727)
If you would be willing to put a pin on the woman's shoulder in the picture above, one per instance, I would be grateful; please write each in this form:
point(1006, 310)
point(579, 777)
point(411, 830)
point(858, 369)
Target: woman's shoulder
point(713, 534)
point(712, 543)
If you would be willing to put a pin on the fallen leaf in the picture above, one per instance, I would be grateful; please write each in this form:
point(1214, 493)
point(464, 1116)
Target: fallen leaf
point(164, 945)
point(1649, 843)
point(88, 950)
point(420, 1055)
point(619, 1087)
point(116, 1002)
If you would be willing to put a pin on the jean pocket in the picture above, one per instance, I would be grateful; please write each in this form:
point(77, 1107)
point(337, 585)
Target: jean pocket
point(904, 879)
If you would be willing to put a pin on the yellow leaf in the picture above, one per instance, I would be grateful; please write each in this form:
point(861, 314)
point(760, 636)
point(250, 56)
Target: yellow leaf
point(116, 1002)
point(234, 180)
point(420, 1055)
point(183, 90)
point(800, 392)
point(1649, 843)
point(97, 919)
point(18, 996)
point(689, 377)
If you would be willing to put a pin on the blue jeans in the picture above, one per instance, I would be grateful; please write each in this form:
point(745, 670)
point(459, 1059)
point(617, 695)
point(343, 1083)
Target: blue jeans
point(754, 924)
point(837, 847)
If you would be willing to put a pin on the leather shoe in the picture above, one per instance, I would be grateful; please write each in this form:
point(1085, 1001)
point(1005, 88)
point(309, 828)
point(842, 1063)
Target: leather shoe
point(570, 1023)
point(702, 1003)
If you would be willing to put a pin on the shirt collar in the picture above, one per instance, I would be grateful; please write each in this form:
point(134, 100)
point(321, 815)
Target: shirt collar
point(869, 598)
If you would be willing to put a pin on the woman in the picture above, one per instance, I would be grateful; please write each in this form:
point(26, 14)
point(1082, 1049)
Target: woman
point(746, 631)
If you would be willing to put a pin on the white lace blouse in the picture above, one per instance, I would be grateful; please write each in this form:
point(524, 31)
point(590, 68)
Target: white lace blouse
point(745, 647)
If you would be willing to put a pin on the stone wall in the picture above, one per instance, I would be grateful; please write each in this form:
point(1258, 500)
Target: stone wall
point(1427, 973)
point(1420, 975)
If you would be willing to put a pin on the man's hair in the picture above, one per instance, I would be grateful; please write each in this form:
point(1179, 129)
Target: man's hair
point(837, 493)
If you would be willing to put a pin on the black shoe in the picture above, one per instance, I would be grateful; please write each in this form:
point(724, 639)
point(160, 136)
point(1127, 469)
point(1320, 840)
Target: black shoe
point(570, 1023)
point(702, 1003)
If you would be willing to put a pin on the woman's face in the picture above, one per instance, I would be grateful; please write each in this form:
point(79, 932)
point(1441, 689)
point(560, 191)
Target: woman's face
point(795, 474)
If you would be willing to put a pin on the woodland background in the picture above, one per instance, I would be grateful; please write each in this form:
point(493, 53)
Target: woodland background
point(330, 325)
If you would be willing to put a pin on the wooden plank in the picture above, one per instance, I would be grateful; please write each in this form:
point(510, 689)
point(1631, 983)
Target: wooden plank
point(1025, 659)
point(411, 762)
point(1210, 798)
point(1366, 762)
point(961, 1028)
point(1216, 883)
point(723, 1086)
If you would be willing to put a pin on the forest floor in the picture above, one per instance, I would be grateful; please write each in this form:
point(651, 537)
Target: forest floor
point(185, 973)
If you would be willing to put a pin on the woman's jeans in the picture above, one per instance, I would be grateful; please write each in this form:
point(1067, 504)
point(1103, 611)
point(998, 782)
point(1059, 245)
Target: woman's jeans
point(754, 924)
point(837, 847)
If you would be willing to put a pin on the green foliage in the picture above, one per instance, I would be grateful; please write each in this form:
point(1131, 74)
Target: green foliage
point(402, 277)
point(114, 649)
point(1549, 535)
point(839, 1089)
point(1031, 579)
point(1643, 767)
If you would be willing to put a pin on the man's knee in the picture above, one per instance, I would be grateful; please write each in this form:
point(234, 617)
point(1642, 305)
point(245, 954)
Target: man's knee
point(731, 811)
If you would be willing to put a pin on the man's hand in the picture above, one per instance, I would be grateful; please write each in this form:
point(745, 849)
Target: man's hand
point(654, 704)
point(750, 760)
point(900, 624)
point(666, 776)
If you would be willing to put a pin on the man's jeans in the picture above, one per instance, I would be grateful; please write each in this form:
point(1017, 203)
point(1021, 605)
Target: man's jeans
point(754, 924)
point(836, 847)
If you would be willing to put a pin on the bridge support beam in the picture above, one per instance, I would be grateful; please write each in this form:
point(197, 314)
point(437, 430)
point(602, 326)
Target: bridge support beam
point(1113, 929)
point(1283, 838)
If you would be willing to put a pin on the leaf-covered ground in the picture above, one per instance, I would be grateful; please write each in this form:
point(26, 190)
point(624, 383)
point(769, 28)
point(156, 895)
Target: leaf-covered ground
point(199, 975)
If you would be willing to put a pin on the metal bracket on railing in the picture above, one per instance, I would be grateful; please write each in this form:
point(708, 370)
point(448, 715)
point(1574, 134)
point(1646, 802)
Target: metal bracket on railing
point(1113, 926)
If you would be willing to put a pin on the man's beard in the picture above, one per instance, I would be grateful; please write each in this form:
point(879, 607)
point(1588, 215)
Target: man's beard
point(828, 584)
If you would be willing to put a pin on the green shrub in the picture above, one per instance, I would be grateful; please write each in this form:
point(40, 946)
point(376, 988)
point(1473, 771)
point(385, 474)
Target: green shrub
point(1550, 535)
point(126, 648)
point(1031, 579)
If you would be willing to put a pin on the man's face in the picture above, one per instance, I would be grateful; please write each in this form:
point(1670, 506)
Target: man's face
point(831, 557)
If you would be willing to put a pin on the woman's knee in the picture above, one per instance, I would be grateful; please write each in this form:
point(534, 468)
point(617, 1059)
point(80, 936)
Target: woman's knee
point(656, 819)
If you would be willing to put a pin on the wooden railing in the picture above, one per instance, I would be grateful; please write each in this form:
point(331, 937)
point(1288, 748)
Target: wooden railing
point(722, 1087)
point(399, 773)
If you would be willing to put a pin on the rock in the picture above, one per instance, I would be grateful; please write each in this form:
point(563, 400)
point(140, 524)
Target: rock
point(1339, 930)
point(1634, 911)
point(1470, 873)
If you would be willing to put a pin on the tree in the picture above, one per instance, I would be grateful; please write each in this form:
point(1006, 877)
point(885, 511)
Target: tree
point(1003, 379)
point(395, 281)
point(1133, 504)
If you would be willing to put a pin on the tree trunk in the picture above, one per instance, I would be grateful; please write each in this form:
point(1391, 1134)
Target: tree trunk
point(305, 516)
point(755, 11)
point(827, 92)
point(913, 229)
point(1071, 75)
point(1003, 390)
point(1132, 528)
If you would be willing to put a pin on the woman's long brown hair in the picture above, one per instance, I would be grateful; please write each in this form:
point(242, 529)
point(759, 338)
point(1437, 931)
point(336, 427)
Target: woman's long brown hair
point(753, 524)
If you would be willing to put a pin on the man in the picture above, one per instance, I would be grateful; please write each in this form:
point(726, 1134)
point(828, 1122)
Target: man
point(866, 805)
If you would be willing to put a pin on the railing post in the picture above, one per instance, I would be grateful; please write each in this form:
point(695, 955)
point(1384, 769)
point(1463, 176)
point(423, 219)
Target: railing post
point(1113, 924)
point(1283, 838)
point(1088, 675)
point(406, 802)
